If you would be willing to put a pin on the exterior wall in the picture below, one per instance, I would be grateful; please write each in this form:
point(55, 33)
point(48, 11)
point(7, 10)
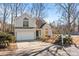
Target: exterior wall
point(18, 22)
point(32, 23)
point(42, 33)
point(46, 26)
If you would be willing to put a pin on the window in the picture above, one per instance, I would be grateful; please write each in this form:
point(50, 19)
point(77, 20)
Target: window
point(25, 22)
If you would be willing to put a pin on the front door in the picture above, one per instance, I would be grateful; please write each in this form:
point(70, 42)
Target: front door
point(38, 34)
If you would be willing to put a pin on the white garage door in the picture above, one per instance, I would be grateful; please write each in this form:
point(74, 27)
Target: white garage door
point(25, 35)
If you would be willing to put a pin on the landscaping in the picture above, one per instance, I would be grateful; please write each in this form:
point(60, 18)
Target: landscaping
point(6, 39)
point(67, 41)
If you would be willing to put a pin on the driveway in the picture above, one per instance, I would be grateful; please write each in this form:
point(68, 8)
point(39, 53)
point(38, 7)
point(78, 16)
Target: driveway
point(38, 48)
point(26, 48)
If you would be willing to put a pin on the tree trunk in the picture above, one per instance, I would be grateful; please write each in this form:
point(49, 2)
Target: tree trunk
point(69, 24)
point(4, 18)
point(11, 21)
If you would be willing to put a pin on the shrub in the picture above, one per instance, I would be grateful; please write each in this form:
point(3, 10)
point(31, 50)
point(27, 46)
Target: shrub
point(67, 41)
point(3, 34)
point(3, 42)
point(5, 39)
point(10, 38)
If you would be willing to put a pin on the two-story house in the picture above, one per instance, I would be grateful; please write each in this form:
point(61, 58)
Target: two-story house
point(31, 28)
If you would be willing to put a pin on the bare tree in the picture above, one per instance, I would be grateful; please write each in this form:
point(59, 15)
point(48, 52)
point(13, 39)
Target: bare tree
point(15, 10)
point(17, 5)
point(69, 13)
point(78, 24)
point(22, 8)
point(12, 7)
point(38, 10)
point(4, 13)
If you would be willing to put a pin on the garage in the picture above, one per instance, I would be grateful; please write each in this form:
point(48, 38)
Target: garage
point(25, 35)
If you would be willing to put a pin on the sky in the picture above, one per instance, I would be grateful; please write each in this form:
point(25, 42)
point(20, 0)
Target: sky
point(51, 13)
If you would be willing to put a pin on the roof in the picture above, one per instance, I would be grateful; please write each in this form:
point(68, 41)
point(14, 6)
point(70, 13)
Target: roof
point(39, 22)
point(42, 25)
point(25, 14)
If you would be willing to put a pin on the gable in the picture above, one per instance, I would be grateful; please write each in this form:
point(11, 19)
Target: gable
point(46, 26)
point(25, 15)
point(39, 22)
point(42, 25)
point(19, 21)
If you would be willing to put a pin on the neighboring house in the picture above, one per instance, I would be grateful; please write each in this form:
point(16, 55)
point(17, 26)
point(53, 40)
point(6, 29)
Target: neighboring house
point(30, 28)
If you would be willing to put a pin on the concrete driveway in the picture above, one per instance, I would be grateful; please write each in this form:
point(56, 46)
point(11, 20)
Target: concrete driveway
point(26, 48)
point(38, 48)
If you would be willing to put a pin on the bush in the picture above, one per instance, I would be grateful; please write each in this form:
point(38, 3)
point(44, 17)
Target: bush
point(3, 34)
point(67, 41)
point(10, 38)
point(5, 39)
point(3, 42)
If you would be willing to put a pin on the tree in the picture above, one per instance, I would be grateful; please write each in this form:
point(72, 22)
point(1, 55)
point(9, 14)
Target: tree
point(16, 10)
point(22, 8)
point(78, 24)
point(38, 10)
point(12, 7)
point(4, 13)
point(70, 13)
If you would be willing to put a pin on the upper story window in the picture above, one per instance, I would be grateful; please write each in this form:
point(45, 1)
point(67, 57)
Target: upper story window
point(25, 22)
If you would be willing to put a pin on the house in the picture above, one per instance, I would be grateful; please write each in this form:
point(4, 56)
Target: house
point(31, 28)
